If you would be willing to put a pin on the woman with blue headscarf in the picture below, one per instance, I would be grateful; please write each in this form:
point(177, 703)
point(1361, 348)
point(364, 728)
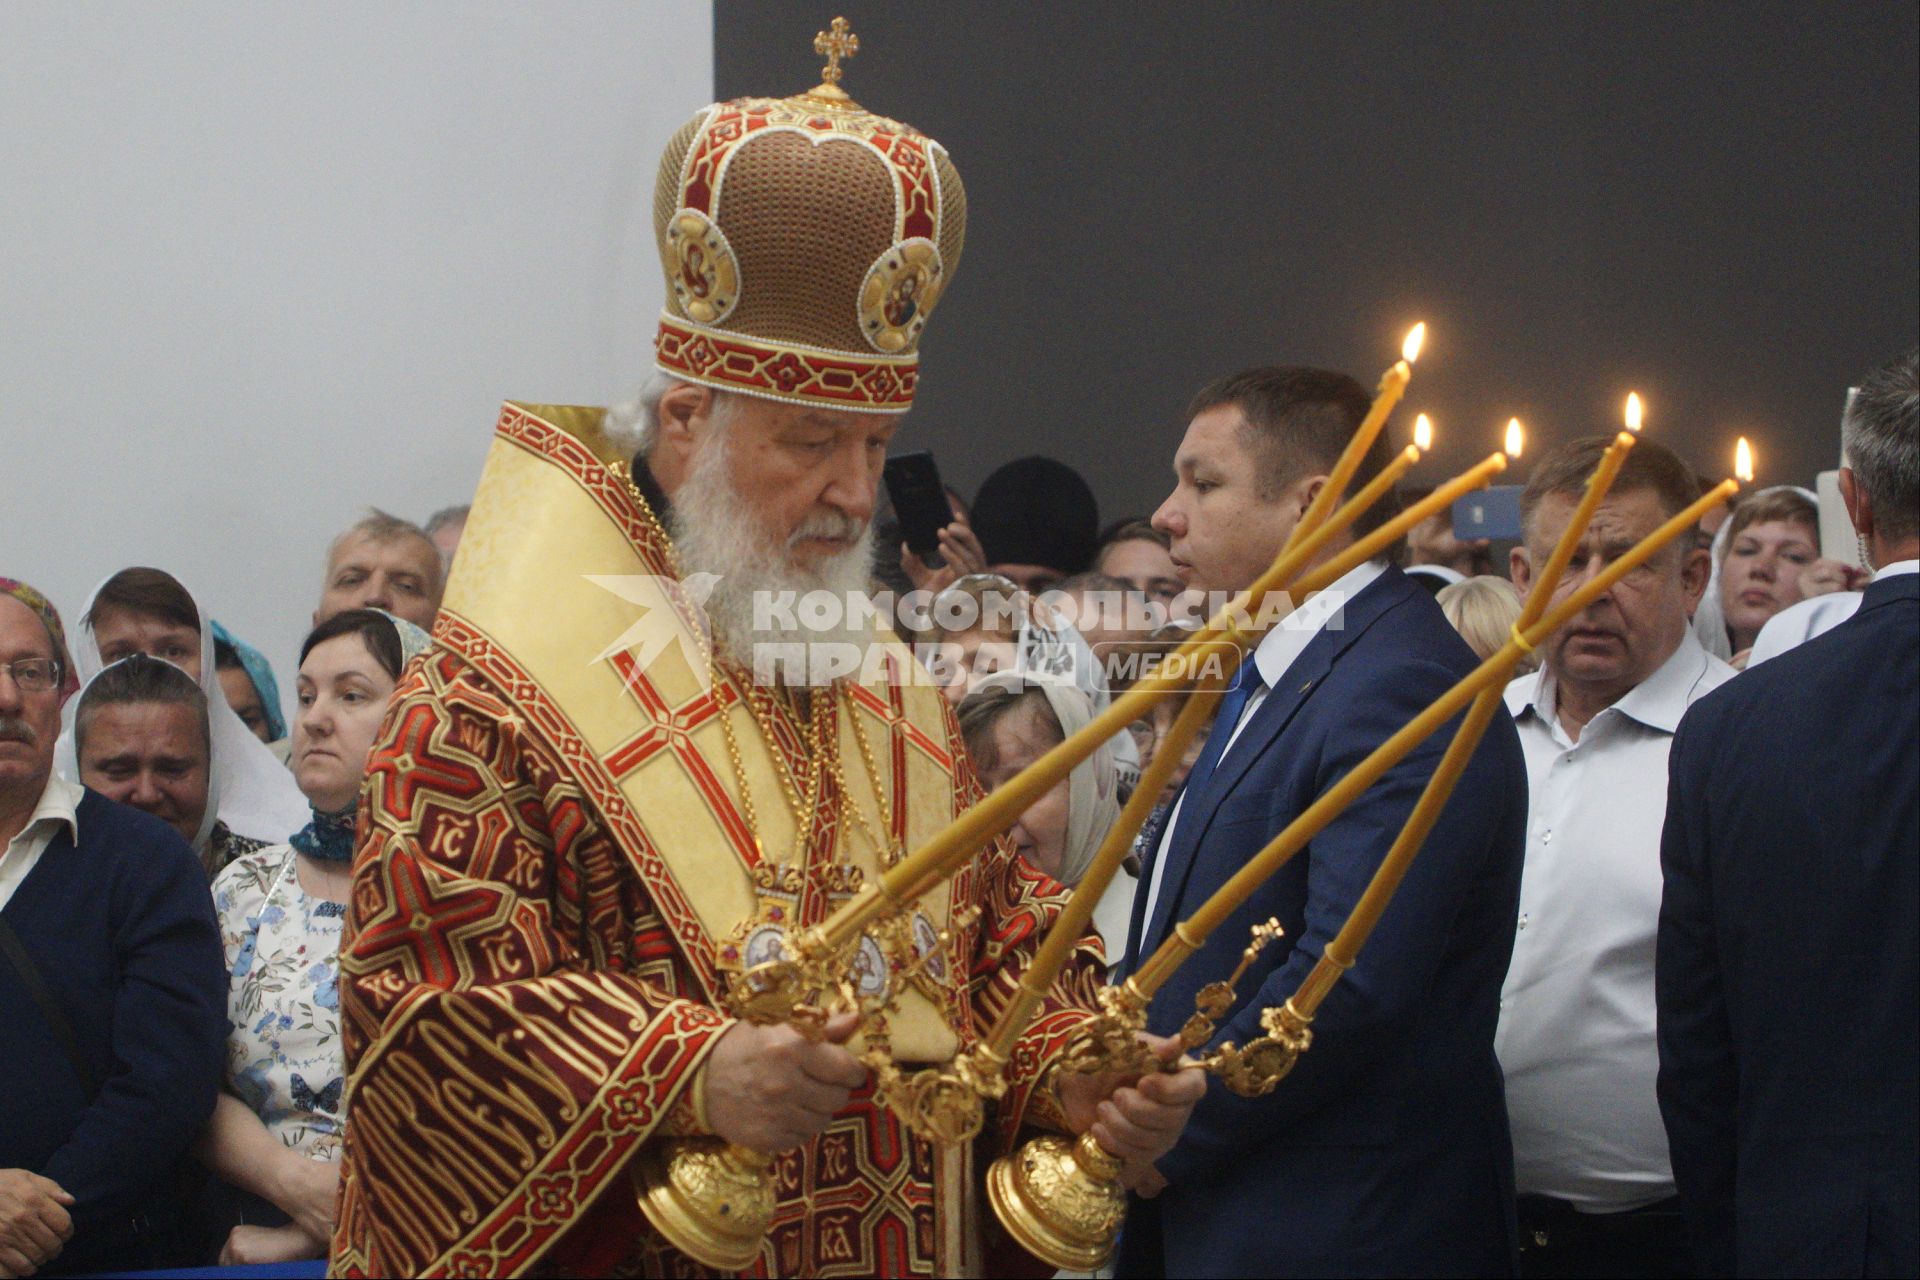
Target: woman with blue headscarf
point(246, 677)
point(275, 1135)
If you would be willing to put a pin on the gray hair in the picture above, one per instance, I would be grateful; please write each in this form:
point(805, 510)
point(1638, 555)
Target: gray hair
point(380, 526)
point(446, 516)
point(1881, 436)
point(633, 424)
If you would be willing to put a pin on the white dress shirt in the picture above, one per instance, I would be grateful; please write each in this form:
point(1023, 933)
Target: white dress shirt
point(59, 806)
point(1798, 623)
point(1279, 649)
point(1576, 1036)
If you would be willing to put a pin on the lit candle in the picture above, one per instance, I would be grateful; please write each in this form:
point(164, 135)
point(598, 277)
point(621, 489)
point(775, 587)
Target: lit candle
point(1190, 934)
point(1071, 925)
point(1393, 385)
point(1743, 460)
point(943, 854)
point(1344, 949)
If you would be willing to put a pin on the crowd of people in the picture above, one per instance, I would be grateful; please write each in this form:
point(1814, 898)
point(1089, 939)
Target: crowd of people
point(1662, 942)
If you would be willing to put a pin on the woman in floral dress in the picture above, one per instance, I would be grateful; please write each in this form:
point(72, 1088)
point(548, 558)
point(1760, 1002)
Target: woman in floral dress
point(275, 1134)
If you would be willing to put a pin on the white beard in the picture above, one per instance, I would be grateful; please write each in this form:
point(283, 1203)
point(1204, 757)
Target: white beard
point(715, 531)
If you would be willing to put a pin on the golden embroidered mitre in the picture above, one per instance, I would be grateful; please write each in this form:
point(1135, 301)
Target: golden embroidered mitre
point(805, 241)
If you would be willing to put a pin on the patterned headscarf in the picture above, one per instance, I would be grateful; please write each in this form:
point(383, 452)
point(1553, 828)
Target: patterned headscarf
point(260, 672)
point(50, 618)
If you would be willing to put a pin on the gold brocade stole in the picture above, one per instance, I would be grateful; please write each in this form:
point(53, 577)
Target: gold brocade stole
point(560, 597)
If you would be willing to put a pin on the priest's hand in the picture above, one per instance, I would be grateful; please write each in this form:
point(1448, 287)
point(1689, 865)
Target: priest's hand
point(770, 1088)
point(1137, 1118)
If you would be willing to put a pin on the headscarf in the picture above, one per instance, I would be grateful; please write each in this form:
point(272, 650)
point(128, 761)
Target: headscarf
point(1710, 618)
point(1050, 646)
point(50, 619)
point(260, 672)
point(328, 836)
point(1093, 788)
point(257, 796)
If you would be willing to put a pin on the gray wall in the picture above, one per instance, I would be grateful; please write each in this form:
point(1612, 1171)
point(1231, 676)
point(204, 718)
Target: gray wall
point(266, 264)
point(1713, 203)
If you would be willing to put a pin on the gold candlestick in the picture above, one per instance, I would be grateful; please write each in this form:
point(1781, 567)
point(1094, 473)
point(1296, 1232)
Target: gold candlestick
point(1287, 1030)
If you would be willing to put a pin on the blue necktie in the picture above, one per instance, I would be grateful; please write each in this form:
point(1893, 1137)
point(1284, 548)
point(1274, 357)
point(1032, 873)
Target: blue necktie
point(1225, 720)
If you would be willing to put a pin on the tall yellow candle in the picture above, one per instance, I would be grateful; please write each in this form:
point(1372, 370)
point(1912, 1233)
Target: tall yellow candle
point(1191, 933)
point(1071, 924)
point(1393, 385)
point(954, 844)
point(1345, 947)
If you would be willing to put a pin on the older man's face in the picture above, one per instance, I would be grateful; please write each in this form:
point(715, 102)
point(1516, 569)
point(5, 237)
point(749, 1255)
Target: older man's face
point(809, 475)
point(29, 722)
point(1624, 636)
point(400, 575)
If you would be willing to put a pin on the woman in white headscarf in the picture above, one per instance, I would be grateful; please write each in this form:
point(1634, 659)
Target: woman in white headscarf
point(1010, 720)
point(144, 610)
point(1766, 558)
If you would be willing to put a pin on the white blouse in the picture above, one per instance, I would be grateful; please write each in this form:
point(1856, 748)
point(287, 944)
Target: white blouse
point(284, 1056)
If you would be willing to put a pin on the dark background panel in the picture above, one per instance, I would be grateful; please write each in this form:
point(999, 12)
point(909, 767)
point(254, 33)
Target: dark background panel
point(1712, 203)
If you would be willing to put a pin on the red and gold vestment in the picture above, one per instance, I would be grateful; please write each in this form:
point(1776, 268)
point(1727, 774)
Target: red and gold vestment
point(553, 864)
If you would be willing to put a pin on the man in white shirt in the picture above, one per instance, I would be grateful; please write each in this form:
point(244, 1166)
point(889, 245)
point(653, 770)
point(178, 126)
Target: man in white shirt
point(1576, 1036)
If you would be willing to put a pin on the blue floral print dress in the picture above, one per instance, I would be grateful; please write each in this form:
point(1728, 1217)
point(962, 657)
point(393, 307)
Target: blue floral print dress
point(284, 1057)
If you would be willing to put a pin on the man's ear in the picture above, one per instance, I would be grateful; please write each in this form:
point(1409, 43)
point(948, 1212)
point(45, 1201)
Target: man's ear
point(1520, 569)
point(682, 409)
point(1696, 571)
point(1859, 508)
point(1305, 491)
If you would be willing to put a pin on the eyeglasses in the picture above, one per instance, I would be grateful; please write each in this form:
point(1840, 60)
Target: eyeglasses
point(33, 675)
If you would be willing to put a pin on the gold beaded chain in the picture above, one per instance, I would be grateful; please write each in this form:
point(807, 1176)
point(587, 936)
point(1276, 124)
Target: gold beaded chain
point(885, 849)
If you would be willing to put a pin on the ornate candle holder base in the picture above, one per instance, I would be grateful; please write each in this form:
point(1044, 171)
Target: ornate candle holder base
point(713, 1201)
point(1060, 1200)
point(1254, 1070)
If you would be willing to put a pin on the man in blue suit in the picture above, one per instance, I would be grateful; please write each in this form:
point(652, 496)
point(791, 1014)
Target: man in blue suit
point(1386, 1150)
point(1787, 977)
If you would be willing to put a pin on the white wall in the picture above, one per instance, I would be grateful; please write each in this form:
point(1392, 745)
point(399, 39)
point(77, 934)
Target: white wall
point(264, 265)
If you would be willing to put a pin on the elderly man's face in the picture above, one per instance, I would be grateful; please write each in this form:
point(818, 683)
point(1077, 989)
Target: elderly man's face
point(1624, 636)
point(400, 575)
point(151, 755)
point(810, 476)
point(29, 722)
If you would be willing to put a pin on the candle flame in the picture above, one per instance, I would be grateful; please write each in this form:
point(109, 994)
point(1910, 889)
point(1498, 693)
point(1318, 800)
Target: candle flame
point(1416, 337)
point(1516, 437)
point(1423, 433)
point(1635, 412)
point(1743, 461)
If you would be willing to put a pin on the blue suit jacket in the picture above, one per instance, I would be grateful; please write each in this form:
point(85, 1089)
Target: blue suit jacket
point(1788, 969)
point(1386, 1150)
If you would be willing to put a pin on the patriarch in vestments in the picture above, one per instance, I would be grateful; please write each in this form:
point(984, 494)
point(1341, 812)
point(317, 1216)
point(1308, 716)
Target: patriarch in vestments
point(628, 771)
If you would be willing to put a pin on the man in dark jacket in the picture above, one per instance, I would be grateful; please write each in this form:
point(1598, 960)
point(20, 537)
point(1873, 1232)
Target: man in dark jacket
point(1787, 978)
point(1386, 1150)
point(112, 992)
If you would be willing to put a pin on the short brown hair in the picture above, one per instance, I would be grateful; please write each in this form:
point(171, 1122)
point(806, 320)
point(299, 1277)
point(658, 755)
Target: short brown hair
point(983, 709)
point(1649, 465)
point(1298, 423)
point(152, 592)
point(1770, 505)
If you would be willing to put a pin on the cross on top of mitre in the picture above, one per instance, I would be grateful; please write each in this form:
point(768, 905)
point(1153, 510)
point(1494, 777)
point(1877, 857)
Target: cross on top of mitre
point(834, 44)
